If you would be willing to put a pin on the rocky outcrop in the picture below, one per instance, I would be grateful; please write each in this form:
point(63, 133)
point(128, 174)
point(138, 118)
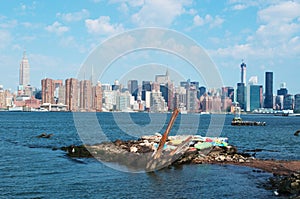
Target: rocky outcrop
point(138, 155)
point(285, 185)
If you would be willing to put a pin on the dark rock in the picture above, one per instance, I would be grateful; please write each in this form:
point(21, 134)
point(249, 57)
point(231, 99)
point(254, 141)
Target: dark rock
point(77, 151)
point(45, 135)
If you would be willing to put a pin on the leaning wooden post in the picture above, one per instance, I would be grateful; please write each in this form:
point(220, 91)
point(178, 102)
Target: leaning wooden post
point(165, 135)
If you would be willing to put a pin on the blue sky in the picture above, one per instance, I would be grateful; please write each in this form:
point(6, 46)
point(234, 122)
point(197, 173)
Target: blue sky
point(59, 35)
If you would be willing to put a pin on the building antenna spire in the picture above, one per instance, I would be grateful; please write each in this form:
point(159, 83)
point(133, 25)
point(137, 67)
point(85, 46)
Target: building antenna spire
point(24, 54)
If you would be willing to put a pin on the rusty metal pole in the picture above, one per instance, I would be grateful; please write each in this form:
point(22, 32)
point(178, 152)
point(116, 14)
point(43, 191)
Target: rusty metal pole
point(165, 135)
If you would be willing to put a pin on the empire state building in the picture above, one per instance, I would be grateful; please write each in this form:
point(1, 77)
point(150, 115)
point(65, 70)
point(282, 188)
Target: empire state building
point(24, 71)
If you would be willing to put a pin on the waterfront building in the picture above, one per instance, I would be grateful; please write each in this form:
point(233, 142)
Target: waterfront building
point(2, 98)
point(123, 101)
point(196, 85)
point(106, 87)
point(48, 89)
point(279, 102)
point(216, 104)
point(227, 92)
point(24, 72)
point(72, 94)
point(167, 91)
point(202, 90)
point(241, 95)
point(162, 79)
point(61, 94)
point(116, 86)
point(206, 103)
point(180, 98)
point(97, 97)
point(145, 94)
point(146, 86)
point(297, 103)
point(192, 102)
point(254, 94)
point(268, 103)
point(255, 97)
point(133, 88)
point(281, 93)
point(109, 100)
point(283, 90)
point(288, 102)
point(157, 102)
point(85, 95)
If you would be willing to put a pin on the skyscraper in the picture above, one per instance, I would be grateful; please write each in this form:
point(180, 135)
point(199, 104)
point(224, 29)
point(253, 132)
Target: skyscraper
point(240, 95)
point(241, 88)
point(297, 103)
point(24, 76)
point(48, 91)
point(72, 94)
point(97, 97)
point(243, 73)
point(133, 88)
point(283, 90)
point(269, 90)
point(85, 88)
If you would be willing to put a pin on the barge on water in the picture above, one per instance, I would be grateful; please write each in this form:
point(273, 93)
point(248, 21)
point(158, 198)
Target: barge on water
point(240, 122)
point(237, 120)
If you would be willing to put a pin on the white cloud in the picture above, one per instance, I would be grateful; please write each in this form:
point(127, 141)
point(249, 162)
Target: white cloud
point(123, 8)
point(208, 19)
point(75, 16)
point(217, 21)
point(26, 8)
point(276, 36)
point(198, 21)
point(159, 13)
point(57, 28)
point(283, 12)
point(4, 23)
point(131, 3)
point(239, 7)
point(103, 26)
point(5, 39)
point(279, 24)
point(191, 11)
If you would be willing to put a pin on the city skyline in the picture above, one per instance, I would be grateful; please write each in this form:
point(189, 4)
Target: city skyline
point(263, 33)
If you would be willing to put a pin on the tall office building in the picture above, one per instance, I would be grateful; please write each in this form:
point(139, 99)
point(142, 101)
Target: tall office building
point(268, 90)
point(288, 102)
point(255, 97)
point(243, 73)
point(297, 103)
point(192, 104)
point(85, 95)
point(241, 88)
point(97, 97)
point(24, 76)
point(283, 90)
point(202, 90)
point(133, 88)
point(241, 95)
point(48, 89)
point(162, 79)
point(72, 94)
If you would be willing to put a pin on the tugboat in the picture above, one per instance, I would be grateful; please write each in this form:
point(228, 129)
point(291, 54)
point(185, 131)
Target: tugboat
point(237, 120)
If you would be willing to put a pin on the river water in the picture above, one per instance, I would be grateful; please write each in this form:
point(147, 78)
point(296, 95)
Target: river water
point(30, 167)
